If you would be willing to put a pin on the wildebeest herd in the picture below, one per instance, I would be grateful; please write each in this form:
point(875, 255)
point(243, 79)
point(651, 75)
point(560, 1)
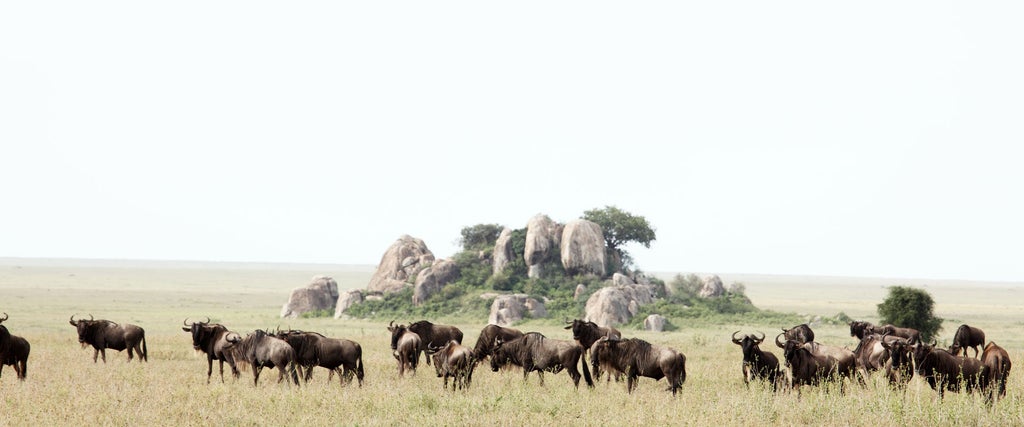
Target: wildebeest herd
point(897, 352)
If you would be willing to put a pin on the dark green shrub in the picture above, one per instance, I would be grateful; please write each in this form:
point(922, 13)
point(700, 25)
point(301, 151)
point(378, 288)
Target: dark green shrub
point(910, 308)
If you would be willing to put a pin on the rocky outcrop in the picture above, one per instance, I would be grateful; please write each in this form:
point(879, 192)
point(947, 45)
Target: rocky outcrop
point(712, 287)
point(614, 305)
point(655, 322)
point(430, 280)
point(503, 255)
point(619, 279)
point(346, 300)
point(403, 260)
point(508, 309)
point(582, 248)
point(542, 237)
point(320, 294)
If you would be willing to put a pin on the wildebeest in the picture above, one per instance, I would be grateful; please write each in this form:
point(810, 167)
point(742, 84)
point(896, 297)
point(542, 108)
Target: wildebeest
point(757, 364)
point(586, 333)
point(812, 363)
point(997, 365)
point(535, 352)
point(967, 336)
point(13, 351)
point(103, 334)
point(453, 360)
point(485, 343)
point(801, 333)
point(260, 349)
point(872, 353)
point(912, 335)
point(944, 371)
point(337, 355)
point(859, 328)
point(637, 358)
point(212, 340)
point(899, 369)
point(405, 346)
point(434, 335)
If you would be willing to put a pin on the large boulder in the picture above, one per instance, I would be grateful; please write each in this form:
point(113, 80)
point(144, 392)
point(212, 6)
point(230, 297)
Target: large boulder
point(508, 309)
point(346, 300)
point(614, 305)
point(320, 294)
point(655, 322)
point(406, 257)
point(712, 287)
point(583, 248)
point(619, 279)
point(542, 236)
point(430, 280)
point(503, 255)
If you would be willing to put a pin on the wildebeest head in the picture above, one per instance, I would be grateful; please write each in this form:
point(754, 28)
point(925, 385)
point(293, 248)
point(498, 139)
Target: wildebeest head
point(801, 333)
point(201, 331)
point(859, 329)
point(748, 344)
point(396, 333)
point(587, 333)
point(900, 352)
point(488, 335)
point(87, 329)
point(922, 350)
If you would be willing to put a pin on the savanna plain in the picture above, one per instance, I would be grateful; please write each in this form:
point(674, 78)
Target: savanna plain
point(65, 387)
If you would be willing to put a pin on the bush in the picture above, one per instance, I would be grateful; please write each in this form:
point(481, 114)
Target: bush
point(910, 308)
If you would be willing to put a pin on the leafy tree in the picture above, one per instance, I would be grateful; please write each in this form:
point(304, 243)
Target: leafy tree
point(480, 236)
point(910, 308)
point(620, 227)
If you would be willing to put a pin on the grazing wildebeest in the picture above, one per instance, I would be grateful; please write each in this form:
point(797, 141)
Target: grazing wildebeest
point(944, 371)
point(535, 352)
point(757, 364)
point(967, 336)
point(260, 349)
point(871, 353)
point(899, 369)
point(212, 340)
point(586, 333)
point(859, 328)
point(104, 334)
point(405, 346)
point(997, 364)
point(812, 363)
point(637, 358)
point(801, 333)
point(453, 360)
point(910, 334)
point(337, 355)
point(434, 335)
point(488, 335)
point(13, 351)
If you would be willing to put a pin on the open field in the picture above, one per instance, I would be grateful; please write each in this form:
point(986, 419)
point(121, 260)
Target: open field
point(65, 387)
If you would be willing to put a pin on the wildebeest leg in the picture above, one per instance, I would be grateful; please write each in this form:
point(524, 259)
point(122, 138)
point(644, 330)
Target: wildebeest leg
point(746, 372)
point(103, 352)
point(209, 368)
point(96, 355)
point(256, 368)
point(631, 380)
point(309, 374)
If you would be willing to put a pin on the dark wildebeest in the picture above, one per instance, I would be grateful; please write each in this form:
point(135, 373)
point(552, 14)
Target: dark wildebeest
point(757, 364)
point(944, 371)
point(872, 354)
point(13, 351)
point(405, 346)
point(910, 334)
point(860, 328)
point(637, 358)
point(453, 360)
point(997, 364)
point(212, 340)
point(337, 355)
point(104, 334)
point(260, 349)
point(488, 335)
point(434, 335)
point(967, 336)
point(586, 333)
point(801, 333)
point(899, 369)
point(812, 363)
point(535, 352)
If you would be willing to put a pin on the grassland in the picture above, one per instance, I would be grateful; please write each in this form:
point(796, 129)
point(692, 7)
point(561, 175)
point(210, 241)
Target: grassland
point(66, 388)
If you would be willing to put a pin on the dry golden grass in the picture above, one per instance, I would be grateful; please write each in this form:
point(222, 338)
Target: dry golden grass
point(66, 388)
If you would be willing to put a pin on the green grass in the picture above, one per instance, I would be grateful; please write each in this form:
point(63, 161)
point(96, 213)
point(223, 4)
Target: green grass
point(66, 388)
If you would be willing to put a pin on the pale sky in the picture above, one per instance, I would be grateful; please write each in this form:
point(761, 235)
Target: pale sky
point(823, 138)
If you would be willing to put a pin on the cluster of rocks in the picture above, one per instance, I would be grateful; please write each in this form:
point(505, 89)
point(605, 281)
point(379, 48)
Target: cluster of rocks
point(580, 245)
point(320, 294)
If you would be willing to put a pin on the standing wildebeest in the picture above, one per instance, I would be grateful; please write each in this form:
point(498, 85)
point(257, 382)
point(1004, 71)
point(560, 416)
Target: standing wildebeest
point(757, 364)
point(812, 363)
point(997, 364)
point(801, 333)
point(434, 335)
point(535, 352)
point(13, 351)
point(212, 340)
point(912, 335)
point(859, 328)
point(405, 346)
point(488, 335)
point(944, 371)
point(341, 356)
point(636, 357)
point(104, 334)
point(260, 349)
point(586, 333)
point(967, 336)
point(453, 360)
point(900, 366)
point(872, 353)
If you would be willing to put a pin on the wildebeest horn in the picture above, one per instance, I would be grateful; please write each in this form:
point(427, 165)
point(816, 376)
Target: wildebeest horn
point(392, 324)
point(5, 317)
point(72, 321)
point(185, 322)
point(90, 317)
point(759, 339)
point(207, 320)
point(781, 345)
point(734, 340)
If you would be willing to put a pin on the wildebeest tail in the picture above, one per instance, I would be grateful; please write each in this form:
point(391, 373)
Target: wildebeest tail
point(586, 371)
point(145, 351)
point(359, 369)
point(292, 367)
point(682, 372)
